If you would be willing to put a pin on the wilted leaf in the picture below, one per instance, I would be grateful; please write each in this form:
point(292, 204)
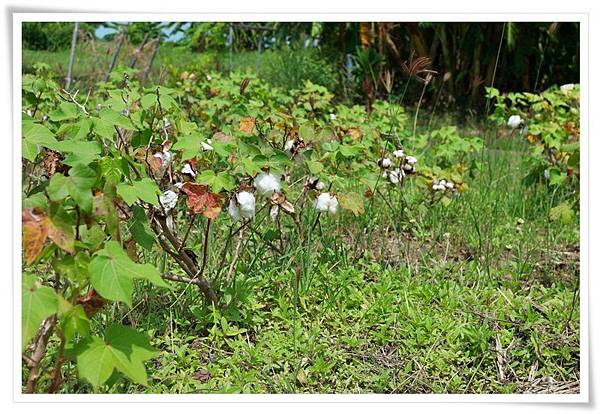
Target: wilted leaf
point(202, 201)
point(35, 231)
point(247, 124)
point(562, 212)
point(352, 201)
point(354, 133)
point(62, 235)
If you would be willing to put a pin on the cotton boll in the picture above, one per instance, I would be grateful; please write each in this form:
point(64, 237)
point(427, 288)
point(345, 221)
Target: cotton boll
point(206, 146)
point(289, 145)
point(385, 162)
point(187, 169)
point(333, 205)
point(332, 117)
point(273, 212)
point(411, 160)
point(396, 176)
point(450, 185)
point(266, 184)
point(514, 121)
point(168, 200)
point(247, 204)
point(170, 223)
point(322, 202)
point(398, 153)
point(443, 183)
point(320, 185)
point(167, 158)
point(547, 174)
point(234, 209)
point(325, 202)
point(567, 87)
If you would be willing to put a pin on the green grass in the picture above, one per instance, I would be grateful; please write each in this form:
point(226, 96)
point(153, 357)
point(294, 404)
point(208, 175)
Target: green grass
point(464, 299)
point(287, 69)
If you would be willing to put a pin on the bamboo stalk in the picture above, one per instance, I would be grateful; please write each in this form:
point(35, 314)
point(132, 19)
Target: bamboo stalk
point(115, 55)
point(139, 50)
point(72, 56)
point(152, 56)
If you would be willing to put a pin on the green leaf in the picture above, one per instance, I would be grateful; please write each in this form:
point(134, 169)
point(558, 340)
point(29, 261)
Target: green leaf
point(38, 303)
point(315, 167)
point(122, 348)
point(75, 321)
point(37, 200)
point(217, 182)
point(78, 185)
point(148, 101)
point(65, 111)
point(103, 128)
point(35, 135)
point(80, 152)
point(115, 118)
point(110, 280)
point(144, 189)
point(190, 144)
point(306, 132)
point(95, 361)
point(112, 273)
point(139, 229)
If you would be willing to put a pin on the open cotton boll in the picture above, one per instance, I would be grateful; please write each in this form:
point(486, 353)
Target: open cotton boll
point(443, 183)
point(320, 185)
point(411, 160)
point(332, 117)
point(385, 162)
point(273, 212)
point(398, 153)
point(333, 205)
point(187, 169)
point(547, 174)
point(234, 209)
point(266, 184)
point(247, 204)
point(206, 145)
point(289, 145)
point(514, 121)
point(396, 176)
point(567, 87)
point(450, 185)
point(168, 200)
point(325, 202)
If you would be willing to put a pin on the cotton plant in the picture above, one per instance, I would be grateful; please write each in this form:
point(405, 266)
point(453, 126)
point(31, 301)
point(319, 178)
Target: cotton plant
point(397, 167)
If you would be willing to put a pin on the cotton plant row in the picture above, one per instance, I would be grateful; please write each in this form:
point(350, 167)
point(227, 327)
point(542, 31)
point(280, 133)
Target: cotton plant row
point(116, 177)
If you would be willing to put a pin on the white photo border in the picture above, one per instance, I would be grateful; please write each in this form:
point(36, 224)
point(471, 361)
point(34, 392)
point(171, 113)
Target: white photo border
point(582, 18)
